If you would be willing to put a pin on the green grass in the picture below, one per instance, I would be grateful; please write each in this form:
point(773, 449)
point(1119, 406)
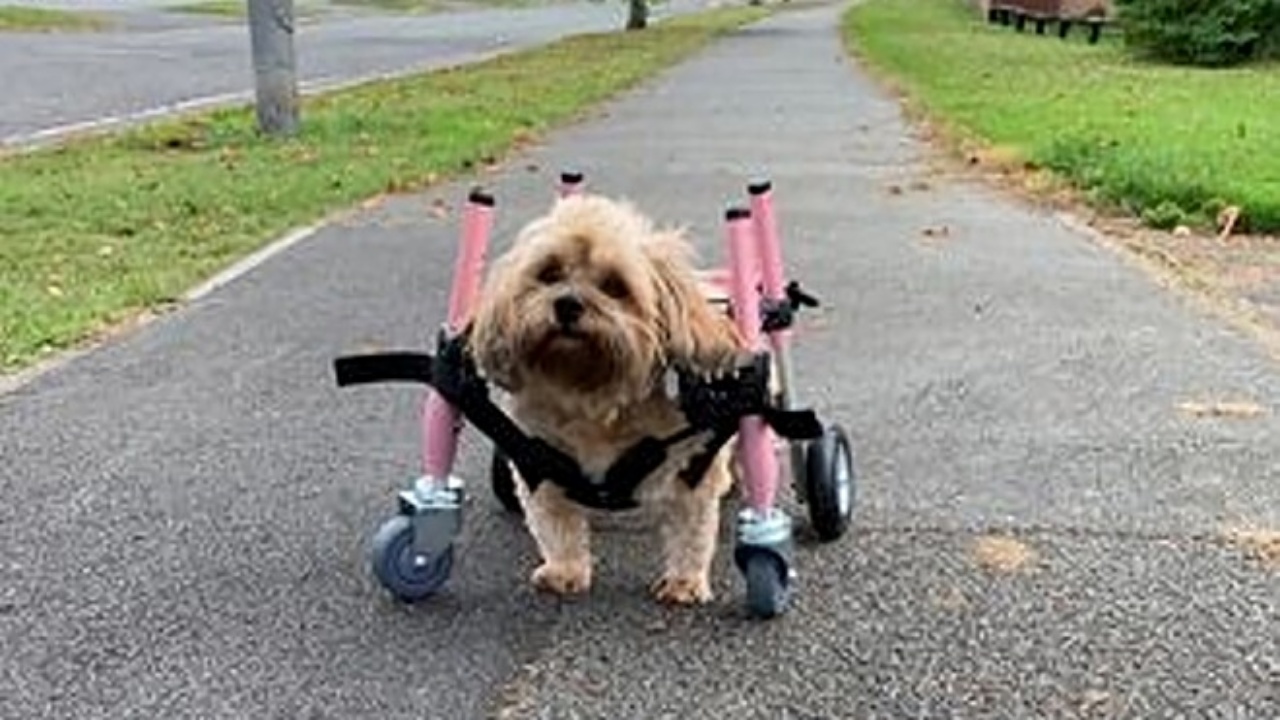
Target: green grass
point(237, 8)
point(30, 19)
point(310, 9)
point(227, 8)
point(393, 5)
point(1172, 145)
point(426, 6)
point(95, 231)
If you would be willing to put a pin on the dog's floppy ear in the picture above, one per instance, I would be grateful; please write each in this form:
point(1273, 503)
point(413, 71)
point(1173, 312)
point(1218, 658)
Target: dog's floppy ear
point(492, 328)
point(694, 334)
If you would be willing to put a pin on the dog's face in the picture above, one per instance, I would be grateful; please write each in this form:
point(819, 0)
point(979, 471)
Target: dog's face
point(591, 299)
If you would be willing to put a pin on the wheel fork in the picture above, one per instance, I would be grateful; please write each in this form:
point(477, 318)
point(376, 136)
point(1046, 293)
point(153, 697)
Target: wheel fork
point(436, 511)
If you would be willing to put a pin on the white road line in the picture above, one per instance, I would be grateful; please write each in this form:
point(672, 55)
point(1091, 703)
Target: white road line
point(10, 383)
point(248, 263)
point(25, 142)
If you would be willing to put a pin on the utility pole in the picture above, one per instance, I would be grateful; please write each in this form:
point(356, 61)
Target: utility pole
point(271, 37)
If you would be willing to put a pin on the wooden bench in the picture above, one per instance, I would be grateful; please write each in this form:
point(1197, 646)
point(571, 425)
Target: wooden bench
point(1042, 13)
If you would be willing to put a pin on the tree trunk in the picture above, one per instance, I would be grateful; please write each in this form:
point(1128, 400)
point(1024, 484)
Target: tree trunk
point(638, 14)
point(275, 76)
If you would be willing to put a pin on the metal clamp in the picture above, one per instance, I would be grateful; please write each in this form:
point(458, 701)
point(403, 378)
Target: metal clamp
point(436, 511)
point(768, 531)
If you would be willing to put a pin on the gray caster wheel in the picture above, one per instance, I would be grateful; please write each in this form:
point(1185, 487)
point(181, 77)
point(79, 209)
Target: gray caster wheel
point(409, 576)
point(768, 583)
point(503, 481)
point(829, 483)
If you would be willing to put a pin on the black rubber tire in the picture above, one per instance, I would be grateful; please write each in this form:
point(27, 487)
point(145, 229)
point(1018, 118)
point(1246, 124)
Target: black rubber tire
point(830, 484)
point(503, 481)
point(768, 590)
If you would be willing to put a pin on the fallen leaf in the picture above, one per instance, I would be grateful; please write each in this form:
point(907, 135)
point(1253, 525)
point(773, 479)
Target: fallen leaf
point(439, 209)
point(998, 158)
point(1002, 554)
point(1092, 700)
point(1222, 409)
point(1227, 221)
point(936, 233)
point(372, 202)
point(952, 599)
point(1258, 543)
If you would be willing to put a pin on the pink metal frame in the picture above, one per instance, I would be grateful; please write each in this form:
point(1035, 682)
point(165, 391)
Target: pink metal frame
point(755, 265)
point(772, 271)
point(755, 269)
point(441, 421)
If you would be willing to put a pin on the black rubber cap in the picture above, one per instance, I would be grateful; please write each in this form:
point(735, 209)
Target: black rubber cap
point(480, 197)
point(760, 187)
point(571, 177)
point(737, 213)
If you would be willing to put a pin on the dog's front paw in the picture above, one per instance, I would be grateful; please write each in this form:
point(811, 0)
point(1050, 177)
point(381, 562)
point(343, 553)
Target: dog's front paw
point(563, 578)
point(682, 589)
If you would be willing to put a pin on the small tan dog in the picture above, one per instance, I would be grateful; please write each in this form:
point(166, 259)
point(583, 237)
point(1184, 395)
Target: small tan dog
point(579, 322)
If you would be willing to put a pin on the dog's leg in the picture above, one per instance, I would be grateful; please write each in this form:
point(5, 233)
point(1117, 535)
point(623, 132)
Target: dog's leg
point(560, 529)
point(689, 528)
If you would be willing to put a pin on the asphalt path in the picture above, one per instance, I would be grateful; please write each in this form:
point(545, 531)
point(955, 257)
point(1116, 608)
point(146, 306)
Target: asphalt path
point(158, 61)
point(187, 510)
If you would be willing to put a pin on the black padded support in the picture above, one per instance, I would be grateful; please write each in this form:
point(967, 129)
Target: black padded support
point(384, 367)
point(716, 405)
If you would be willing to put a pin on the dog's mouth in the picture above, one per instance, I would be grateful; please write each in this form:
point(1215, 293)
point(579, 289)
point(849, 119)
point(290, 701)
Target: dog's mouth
point(575, 358)
point(567, 334)
point(566, 344)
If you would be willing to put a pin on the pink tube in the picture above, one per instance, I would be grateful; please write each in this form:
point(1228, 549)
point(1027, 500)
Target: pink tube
point(441, 422)
point(760, 466)
point(570, 183)
point(468, 268)
point(772, 271)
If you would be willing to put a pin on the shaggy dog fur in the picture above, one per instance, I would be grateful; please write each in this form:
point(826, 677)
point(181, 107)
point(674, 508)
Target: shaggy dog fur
point(579, 322)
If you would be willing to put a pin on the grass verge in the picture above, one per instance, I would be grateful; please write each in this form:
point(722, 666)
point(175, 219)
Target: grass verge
point(33, 19)
point(98, 230)
point(429, 6)
point(238, 8)
point(1170, 145)
point(224, 8)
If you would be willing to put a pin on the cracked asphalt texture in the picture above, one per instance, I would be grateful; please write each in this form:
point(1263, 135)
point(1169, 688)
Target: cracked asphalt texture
point(187, 510)
point(158, 58)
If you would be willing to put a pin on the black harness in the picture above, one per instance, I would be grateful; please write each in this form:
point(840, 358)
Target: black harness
point(712, 406)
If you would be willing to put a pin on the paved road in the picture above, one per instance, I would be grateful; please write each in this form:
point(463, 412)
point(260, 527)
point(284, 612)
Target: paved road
point(186, 511)
point(53, 80)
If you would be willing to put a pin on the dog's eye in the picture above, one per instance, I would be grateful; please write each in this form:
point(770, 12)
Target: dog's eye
point(615, 287)
point(551, 273)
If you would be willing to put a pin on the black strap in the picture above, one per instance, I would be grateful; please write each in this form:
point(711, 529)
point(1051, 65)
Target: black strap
point(719, 403)
point(383, 367)
point(716, 405)
point(452, 373)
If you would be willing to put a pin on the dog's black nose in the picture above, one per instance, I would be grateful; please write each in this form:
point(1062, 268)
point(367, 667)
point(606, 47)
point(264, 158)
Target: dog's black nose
point(569, 309)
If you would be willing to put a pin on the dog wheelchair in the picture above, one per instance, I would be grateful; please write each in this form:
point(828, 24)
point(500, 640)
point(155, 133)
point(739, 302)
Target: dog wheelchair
point(412, 552)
